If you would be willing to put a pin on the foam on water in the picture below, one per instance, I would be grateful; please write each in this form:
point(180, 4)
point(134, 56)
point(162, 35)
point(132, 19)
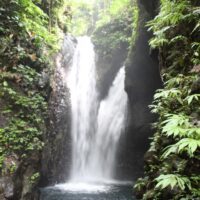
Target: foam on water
point(83, 187)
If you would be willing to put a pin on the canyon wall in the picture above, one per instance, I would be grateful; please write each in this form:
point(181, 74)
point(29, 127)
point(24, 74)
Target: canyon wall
point(142, 79)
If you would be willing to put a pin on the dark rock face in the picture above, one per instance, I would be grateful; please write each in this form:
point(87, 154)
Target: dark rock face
point(24, 189)
point(56, 157)
point(108, 68)
point(6, 188)
point(142, 79)
point(111, 47)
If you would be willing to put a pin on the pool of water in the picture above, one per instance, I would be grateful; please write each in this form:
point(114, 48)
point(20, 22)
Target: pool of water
point(82, 191)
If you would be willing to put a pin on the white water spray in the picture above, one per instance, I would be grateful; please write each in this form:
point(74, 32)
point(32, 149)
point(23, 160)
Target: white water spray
point(84, 107)
point(95, 133)
point(110, 125)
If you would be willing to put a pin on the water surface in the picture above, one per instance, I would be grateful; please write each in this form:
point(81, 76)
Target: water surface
point(84, 191)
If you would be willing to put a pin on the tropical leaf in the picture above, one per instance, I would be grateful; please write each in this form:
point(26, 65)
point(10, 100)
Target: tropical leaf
point(192, 98)
point(167, 93)
point(172, 180)
point(187, 145)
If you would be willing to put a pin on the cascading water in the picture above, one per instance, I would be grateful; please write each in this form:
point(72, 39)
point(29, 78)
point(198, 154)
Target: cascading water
point(96, 130)
point(84, 104)
point(110, 124)
point(95, 133)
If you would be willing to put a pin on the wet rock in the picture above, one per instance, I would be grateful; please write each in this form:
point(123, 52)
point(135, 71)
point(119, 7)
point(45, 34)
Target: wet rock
point(56, 156)
point(44, 79)
point(6, 188)
point(24, 188)
point(3, 118)
point(110, 53)
point(10, 164)
point(141, 82)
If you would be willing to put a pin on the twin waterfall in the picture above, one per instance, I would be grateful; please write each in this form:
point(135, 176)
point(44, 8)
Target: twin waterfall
point(96, 126)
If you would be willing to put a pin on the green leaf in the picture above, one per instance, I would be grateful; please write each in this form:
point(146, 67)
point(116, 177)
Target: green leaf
point(192, 98)
point(187, 145)
point(172, 180)
point(5, 84)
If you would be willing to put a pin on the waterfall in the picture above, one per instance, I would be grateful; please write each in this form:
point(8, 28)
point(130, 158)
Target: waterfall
point(96, 126)
point(82, 83)
point(110, 124)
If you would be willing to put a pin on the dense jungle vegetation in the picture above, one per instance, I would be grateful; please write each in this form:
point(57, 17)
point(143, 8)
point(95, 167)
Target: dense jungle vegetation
point(172, 169)
point(31, 32)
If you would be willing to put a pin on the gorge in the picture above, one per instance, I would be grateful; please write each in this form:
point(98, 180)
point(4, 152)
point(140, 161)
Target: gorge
point(99, 100)
point(96, 127)
point(100, 129)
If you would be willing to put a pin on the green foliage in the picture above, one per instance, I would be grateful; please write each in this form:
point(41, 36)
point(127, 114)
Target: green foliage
point(174, 14)
point(140, 184)
point(35, 177)
point(116, 31)
point(187, 144)
point(27, 34)
point(19, 137)
point(194, 98)
point(112, 10)
point(173, 180)
point(171, 14)
point(29, 19)
point(26, 110)
point(118, 5)
point(176, 125)
point(89, 16)
point(113, 35)
point(173, 171)
point(82, 17)
point(179, 126)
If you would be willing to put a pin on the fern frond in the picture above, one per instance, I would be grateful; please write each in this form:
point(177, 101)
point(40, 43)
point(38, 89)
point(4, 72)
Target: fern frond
point(172, 180)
